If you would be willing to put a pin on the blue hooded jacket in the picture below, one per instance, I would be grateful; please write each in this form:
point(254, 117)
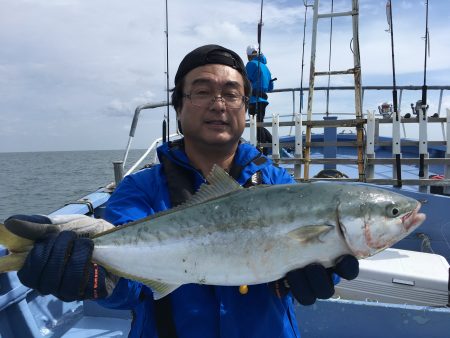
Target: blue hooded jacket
point(198, 310)
point(263, 84)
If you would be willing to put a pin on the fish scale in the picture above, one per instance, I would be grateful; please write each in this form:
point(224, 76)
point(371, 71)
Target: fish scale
point(228, 235)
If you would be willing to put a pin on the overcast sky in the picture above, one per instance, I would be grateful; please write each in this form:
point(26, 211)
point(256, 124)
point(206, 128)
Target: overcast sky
point(72, 71)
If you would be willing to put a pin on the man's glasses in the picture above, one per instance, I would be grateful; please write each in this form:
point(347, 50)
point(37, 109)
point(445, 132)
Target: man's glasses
point(204, 99)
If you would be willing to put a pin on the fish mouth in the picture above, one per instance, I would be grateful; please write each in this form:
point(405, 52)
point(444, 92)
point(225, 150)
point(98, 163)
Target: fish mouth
point(413, 219)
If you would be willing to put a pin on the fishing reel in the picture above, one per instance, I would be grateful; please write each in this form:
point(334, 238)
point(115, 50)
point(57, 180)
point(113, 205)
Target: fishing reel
point(416, 109)
point(385, 110)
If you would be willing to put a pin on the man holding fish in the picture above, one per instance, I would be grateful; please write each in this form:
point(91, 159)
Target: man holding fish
point(214, 263)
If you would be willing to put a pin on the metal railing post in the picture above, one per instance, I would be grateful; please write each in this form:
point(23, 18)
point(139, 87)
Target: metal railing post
point(118, 171)
point(275, 138)
point(298, 153)
point(447, 154)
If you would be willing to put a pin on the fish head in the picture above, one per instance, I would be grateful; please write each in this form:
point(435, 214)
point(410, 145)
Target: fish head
point(377, 219)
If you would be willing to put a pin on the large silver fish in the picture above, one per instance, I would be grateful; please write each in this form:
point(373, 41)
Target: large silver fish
point(228, 235)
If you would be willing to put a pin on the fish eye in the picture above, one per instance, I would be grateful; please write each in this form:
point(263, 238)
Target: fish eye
point(392, 211)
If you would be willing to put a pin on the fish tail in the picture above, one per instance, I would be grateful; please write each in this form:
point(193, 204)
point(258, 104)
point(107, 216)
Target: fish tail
point(12, 262)
point(18, 248)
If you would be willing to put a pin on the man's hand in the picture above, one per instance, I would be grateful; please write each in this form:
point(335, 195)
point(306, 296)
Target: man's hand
point(36, 227)
point(60, 261)
point(315, 281)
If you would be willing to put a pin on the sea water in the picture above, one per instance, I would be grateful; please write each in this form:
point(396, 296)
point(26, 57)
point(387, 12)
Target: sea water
point(41, 182)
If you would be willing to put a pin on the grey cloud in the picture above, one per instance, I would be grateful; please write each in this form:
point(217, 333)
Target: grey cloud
point(85, 62)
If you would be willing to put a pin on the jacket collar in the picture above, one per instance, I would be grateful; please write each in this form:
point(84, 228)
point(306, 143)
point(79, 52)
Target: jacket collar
point(247, 158)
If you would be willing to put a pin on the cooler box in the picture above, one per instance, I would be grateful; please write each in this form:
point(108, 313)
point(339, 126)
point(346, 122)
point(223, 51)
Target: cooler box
point(399, 277)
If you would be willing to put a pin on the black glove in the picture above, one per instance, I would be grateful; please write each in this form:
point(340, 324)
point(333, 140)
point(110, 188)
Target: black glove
point(60, 262)
point(315, 281)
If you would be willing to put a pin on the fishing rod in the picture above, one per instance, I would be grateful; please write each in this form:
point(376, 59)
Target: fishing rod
point(329, 60)
point(260, 24)
point(303, 61)
point(424, 87)
point(166, 124)
point(424, 91)
point(398, 164)
point(303, 55)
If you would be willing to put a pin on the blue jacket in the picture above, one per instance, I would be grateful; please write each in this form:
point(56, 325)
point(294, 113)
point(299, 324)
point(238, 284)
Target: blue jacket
point(198, 310)
point(262, 86)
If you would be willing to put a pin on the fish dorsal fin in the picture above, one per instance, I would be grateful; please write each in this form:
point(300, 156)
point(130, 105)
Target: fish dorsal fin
point(220, 183)
point(310, 233)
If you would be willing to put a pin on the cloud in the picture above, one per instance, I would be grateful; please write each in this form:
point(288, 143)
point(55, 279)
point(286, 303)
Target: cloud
point(118, 107)
point(224, 29)
point(84, 62)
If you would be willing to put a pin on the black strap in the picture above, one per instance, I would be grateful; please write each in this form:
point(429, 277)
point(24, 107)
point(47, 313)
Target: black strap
point(179, 182)
point(164, 319)
point(181, 188)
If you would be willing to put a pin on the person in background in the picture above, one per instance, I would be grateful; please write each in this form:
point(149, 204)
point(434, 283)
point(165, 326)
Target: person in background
point(261, 79)
point(210, 98)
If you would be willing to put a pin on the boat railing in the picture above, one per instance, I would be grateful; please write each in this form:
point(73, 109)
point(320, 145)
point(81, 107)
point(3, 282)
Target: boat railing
point(300, 92)
point(296, 123)
point(371, 125)
point(149, 156)
point(134, 124)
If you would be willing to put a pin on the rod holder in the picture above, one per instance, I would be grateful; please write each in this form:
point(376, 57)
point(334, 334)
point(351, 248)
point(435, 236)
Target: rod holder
point(118, 171)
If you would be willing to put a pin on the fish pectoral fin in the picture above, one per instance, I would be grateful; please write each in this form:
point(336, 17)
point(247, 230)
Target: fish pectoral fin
point(159, 289)
point(310, 233)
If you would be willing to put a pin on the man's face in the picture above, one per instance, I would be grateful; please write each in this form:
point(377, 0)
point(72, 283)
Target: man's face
point(216, 124)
